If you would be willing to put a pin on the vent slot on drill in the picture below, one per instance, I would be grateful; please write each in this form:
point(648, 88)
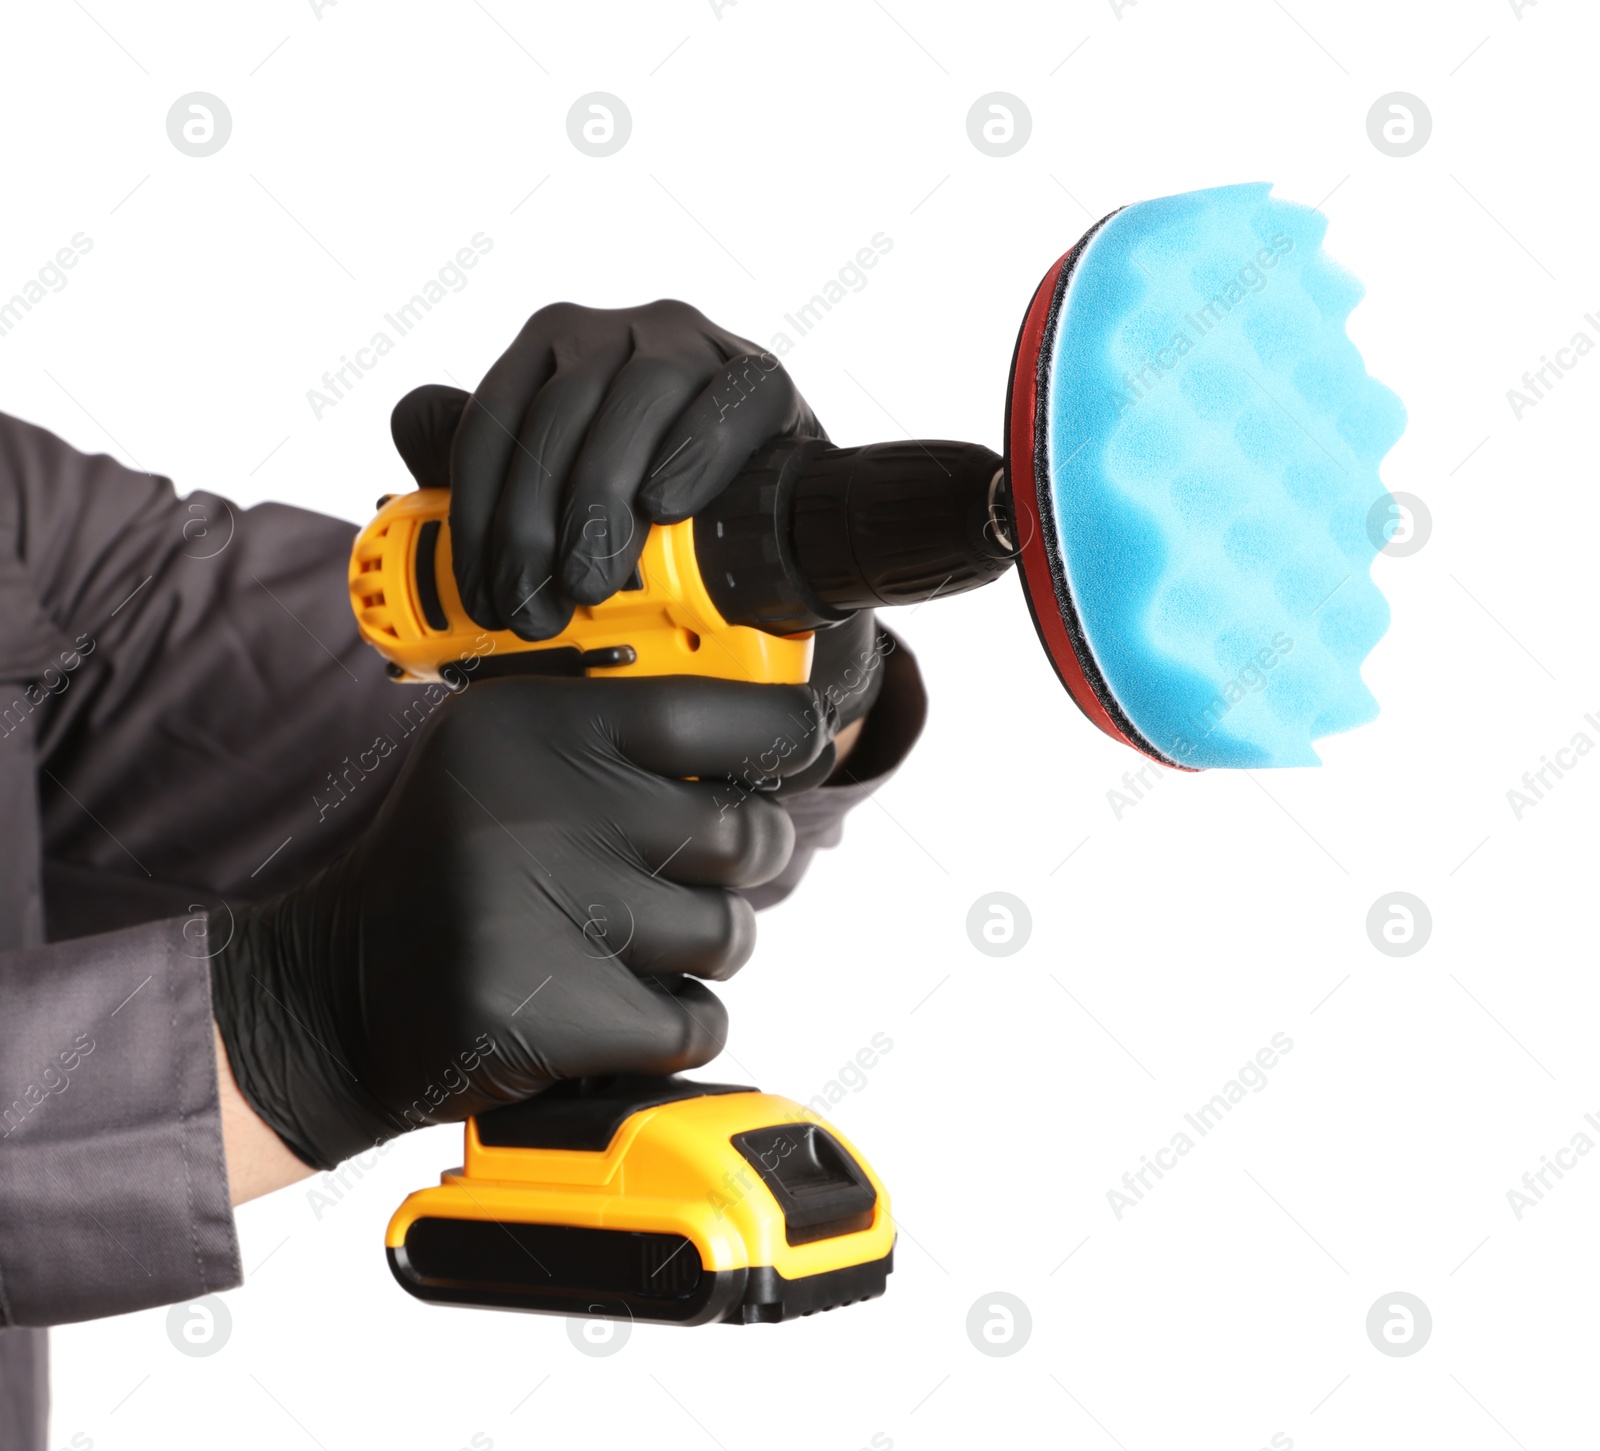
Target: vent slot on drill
point(427, 577)
point(551, 1260)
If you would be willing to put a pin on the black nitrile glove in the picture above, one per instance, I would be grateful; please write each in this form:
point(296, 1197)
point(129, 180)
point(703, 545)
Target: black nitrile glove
point(522, 909)
point(593, 424)
point(847, 665)
point(847, 673)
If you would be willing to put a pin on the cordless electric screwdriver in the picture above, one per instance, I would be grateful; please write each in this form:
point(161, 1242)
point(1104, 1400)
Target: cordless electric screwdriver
point(807, 535)
point(662, 1198)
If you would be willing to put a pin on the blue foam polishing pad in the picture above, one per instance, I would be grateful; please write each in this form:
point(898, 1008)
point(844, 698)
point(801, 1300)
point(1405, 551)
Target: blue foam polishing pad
point(1204, 444)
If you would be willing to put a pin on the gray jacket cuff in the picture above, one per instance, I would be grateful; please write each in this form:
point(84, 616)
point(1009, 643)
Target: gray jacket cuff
point(113, 1184)
point(892, 728)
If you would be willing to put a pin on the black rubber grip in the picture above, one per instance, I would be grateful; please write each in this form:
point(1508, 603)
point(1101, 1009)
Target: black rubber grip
point(809, 534)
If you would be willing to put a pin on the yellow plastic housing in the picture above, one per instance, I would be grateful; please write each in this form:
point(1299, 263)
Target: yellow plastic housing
point(670, 1169)
point(671, 623)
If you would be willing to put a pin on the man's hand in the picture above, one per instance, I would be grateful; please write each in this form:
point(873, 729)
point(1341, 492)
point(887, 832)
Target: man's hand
point(535, 900)
point(593, 424)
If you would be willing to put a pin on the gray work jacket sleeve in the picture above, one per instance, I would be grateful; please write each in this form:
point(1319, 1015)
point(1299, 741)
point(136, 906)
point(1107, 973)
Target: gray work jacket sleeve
point(187, 724)
point(113, 1188)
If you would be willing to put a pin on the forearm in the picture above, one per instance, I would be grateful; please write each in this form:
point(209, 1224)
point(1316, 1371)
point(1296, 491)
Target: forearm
point(845, 741)
point(258, 1163)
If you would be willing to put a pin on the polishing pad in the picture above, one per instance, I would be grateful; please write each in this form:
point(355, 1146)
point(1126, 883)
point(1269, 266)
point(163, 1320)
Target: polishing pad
point(1193, 446)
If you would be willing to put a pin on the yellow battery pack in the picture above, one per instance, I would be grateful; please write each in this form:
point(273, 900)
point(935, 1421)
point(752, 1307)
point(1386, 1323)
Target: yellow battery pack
point(655, 1199)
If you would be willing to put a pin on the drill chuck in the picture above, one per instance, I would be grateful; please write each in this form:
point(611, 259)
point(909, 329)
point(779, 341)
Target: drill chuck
point(808, 534)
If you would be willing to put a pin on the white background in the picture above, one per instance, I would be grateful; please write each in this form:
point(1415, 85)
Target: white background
point(768, 145)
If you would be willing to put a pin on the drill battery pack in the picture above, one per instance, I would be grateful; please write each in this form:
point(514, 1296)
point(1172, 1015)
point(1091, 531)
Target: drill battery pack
point(655, 1199)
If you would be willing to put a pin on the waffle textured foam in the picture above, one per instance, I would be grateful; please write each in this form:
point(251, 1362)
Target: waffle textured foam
point(1214, 442)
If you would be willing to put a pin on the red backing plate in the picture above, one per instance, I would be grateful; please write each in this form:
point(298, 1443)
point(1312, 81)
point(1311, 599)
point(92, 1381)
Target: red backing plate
point(1023, 451)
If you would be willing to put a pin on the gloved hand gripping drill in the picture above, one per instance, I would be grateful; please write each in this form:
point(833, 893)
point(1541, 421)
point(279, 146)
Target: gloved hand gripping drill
point(456, 944)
